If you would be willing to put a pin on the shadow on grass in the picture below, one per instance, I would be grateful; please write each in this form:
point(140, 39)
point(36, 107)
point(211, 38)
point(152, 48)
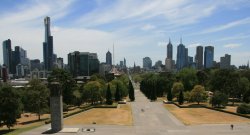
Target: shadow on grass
point(6, 131)
point(32, 121)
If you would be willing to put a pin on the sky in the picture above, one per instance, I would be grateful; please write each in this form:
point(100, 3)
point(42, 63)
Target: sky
point(137, 28)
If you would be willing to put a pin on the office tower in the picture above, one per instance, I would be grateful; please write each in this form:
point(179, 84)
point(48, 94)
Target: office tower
point(59, 62)
point(124, 62)
point(20, 57)
point(121, 64)
point(158, 64)
point(48, 46)
point(199, 57)
point(208, 56)
point(182, 57)
point(35, 64)
point(147, 63)
point(168, 64)
point(109, 58)
point(170, 50)
point(225, 62)
point(186, 57)
point(83, 63)
point(7, 55)
point(4, 73)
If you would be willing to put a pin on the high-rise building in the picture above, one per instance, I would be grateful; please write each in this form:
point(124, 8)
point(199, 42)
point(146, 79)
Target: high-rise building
point(7, 55)
point(48, 46)
point(121, 64)
point(35, 64)
point(83, 63)
point(60, 63)
point(225, 62)
point(124, 62)
point(199, 57)
point(147, 63)
point(109, 58)
point(182, 56)
point(170, 50)
point(208, 56)
point(168, 64)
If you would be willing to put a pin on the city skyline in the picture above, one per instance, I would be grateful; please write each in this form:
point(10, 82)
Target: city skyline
point(93, 26)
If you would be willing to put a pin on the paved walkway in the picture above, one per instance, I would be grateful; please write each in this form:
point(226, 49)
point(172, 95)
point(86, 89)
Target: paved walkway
point(151, 118)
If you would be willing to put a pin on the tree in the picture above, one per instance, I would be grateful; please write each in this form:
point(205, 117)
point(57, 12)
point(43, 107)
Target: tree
point(153, 96)
point(181, 98)
point(202, 77)
point(177, 87)
point(244, 86)
point(93, 90)
point(67, 83)
point(9, 106)
point(169, 96)
point(246, 97)
point(37, 97)
point(188, 78)
point(108, 96)
point(198, 94)
point(219, 99)
point(131, 92)
point(117, 93)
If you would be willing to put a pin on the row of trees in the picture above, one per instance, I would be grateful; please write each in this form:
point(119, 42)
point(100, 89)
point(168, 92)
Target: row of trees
point(230, 84)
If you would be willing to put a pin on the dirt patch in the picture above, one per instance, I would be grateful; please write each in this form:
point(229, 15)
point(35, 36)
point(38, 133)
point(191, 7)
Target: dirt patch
point(108, 116)
point(193, 116)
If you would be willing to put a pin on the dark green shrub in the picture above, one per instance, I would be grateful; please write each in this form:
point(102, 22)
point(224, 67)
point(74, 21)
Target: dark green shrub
point(244, 109)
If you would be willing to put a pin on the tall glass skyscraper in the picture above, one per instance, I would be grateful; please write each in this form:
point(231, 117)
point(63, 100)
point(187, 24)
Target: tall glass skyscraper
point(48, 46)
point(208, 56)
point(199, 57)
point(182, 56)
point(109, 58)
point(7, 54)
point(170, 50)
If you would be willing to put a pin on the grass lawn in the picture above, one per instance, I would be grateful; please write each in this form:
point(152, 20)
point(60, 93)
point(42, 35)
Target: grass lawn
point(194, 116)
point(27, 122)
point(108, 116)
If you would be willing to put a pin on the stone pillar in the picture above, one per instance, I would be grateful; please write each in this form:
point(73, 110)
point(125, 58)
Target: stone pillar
point(56, 107)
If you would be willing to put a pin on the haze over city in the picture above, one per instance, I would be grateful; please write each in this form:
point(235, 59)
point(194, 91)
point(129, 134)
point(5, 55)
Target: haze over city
point(136, 28)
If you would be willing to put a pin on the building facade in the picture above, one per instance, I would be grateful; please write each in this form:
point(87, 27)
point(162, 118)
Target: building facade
point(170, 50)
point(83, 63)
point(208, 56)
point(147, 63)
point(199, 57)
point(182, 57)
point(48, 46)
point(225, 62)
point(109, 58)
point(7, 55)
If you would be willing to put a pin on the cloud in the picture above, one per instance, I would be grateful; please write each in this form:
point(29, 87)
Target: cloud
point(227, 26)
point(235, 37)
point(148, 27)
point(231, 46)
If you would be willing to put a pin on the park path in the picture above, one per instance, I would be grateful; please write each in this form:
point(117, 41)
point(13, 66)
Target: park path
point(154, 119)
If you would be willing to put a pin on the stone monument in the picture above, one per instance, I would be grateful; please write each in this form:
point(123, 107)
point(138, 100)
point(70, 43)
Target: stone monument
point(56, 107)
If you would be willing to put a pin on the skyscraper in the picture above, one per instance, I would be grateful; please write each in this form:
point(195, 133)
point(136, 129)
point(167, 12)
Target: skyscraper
point(124, 62)
point(48, 46)
point(208, 56)
point(147, 63)
point(7, 55)
point(83, 63)
point(170, 50)
point(225, 62)
point(109, 58)
point(199, 57)
point(182, 57)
